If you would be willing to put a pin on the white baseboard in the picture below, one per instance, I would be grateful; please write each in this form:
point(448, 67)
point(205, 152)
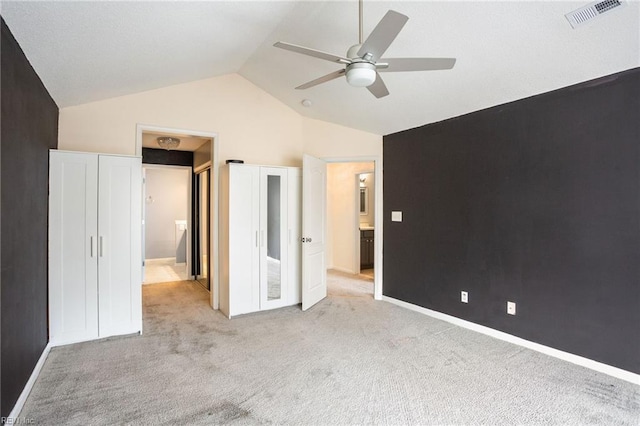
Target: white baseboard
point(565, 356)
point(15, 413)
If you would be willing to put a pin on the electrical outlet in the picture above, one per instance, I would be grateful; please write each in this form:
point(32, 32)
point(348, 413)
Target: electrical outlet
point(511, 308)
point(464, 297)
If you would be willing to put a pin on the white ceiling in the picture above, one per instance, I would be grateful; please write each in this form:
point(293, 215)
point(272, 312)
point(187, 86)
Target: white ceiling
point(506, 50)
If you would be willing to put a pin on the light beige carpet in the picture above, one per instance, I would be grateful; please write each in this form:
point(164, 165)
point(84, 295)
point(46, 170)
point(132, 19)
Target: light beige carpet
point(348, 360)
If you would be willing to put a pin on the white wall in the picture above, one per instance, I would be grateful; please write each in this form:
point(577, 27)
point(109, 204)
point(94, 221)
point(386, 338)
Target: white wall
point(343, 214)
point(166, 200)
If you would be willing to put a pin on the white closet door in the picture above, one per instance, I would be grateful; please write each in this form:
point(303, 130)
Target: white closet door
point(273, 238)
point(120, 245)
point(244, 239)
point(73, 280)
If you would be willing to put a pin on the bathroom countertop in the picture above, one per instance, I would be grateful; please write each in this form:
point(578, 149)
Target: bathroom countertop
point(366, 228)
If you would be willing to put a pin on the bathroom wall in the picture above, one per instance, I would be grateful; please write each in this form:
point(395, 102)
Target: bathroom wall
point(166, 200)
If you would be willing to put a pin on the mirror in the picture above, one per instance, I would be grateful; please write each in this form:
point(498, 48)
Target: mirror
point(364, 201)
point(274, 268)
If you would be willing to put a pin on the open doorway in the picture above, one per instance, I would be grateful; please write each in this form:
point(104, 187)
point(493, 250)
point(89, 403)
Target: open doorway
point(166, 210)
point(350, 227)
point(194, 151)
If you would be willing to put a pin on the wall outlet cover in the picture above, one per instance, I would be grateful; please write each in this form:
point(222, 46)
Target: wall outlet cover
point(396, 216)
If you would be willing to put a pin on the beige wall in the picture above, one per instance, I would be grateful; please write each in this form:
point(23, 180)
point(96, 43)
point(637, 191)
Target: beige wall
point(343, 214)
point(251, 124)
point(328, 140)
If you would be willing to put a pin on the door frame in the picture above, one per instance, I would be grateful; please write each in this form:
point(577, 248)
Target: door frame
point(214, 191)
point(378, 220)
point(189, 205)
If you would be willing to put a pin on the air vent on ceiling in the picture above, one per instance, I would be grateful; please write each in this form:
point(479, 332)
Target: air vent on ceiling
point(590, 11)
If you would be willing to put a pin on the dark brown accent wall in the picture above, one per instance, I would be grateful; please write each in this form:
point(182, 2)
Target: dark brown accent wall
point(537, 202)
point(162, 156)
point(29, 130)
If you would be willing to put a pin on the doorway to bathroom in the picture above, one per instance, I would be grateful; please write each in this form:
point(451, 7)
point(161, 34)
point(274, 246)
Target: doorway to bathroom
point(351, 224)
point(167, 221)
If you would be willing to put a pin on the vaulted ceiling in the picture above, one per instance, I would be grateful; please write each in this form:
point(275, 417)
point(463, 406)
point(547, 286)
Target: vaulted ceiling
point(505, 50)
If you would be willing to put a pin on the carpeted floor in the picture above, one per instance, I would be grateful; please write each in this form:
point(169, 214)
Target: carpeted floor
point(348, 360)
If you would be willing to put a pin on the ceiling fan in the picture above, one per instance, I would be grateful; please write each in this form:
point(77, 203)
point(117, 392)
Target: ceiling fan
point(364, 61)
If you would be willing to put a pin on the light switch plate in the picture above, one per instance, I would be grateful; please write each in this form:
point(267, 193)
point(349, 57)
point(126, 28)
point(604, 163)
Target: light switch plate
point(396, 216)
point(511, 308)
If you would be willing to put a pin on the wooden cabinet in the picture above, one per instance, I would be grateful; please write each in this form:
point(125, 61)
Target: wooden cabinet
point(366, 249)
point(259, 238)
point(95, 259)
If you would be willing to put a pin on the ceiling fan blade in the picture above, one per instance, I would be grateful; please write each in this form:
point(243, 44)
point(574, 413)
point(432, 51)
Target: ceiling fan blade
point(378, 88)
point(383, 35)
point(322, 79)
point(312, 52)
point(417, 64)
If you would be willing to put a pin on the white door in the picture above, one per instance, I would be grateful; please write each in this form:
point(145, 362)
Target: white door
point(314, 208)
point(119, 245)
point(73, 265)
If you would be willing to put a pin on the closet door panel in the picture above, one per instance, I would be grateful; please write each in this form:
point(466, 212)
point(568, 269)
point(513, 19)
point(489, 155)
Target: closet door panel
point(119, 245)
point(244, 239)
point(73, 288)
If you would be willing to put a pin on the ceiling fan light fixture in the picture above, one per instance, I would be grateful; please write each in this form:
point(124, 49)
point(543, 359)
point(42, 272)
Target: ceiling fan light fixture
point(168, 142)
point(361, 74)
